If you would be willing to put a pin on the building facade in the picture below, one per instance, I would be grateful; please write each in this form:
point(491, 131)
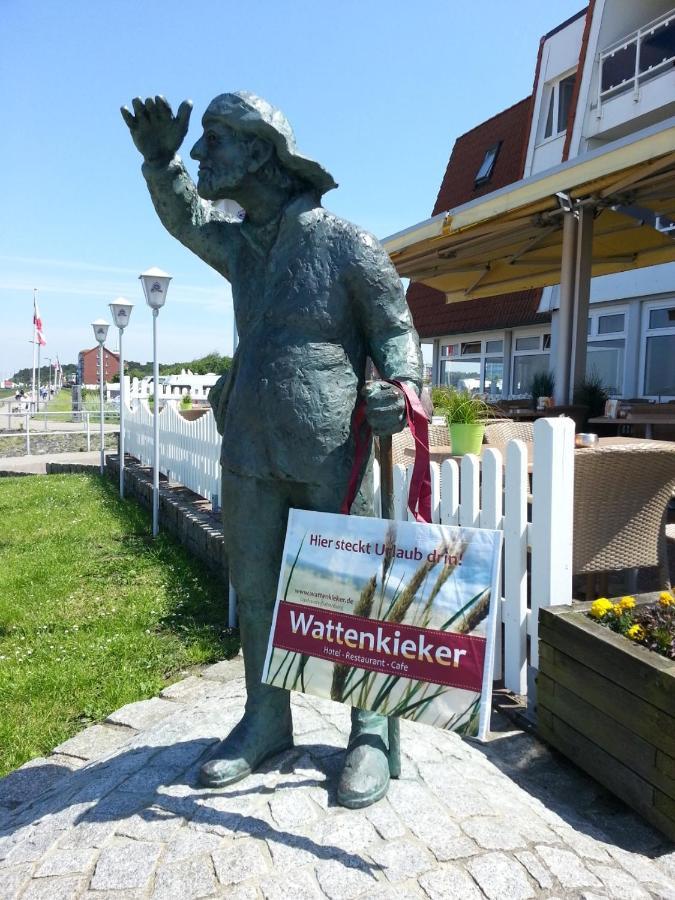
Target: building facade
point(88, 366)
point(605, 74)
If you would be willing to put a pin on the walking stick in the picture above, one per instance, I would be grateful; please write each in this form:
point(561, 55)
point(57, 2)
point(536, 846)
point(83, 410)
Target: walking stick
point(387, 499)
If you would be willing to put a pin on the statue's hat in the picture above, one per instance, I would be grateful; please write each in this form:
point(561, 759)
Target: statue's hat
point(244, 111)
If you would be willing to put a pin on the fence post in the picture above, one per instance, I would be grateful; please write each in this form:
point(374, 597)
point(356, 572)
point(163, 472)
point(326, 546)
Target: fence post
point(552, 521)
point(515, 569)
point(491, 516)
point(27, 434)
point(86, 425)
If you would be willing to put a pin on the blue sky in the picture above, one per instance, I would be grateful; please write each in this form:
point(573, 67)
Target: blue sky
point(376, 91)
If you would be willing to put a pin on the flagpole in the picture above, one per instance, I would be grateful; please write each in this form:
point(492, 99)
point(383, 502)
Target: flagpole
point(32, 387)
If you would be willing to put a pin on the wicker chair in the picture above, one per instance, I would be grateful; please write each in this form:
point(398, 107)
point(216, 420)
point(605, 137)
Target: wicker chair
point(438, 437)
point(621, 497)
point(506, 430)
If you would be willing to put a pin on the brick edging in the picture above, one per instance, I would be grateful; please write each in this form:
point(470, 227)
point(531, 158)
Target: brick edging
point(182, 513)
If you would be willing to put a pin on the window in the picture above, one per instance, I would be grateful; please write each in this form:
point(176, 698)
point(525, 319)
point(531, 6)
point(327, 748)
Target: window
point(476, 366)
point(558, 101)
point(484, 173)
point(606, 346)
point(658, 350)
point(530, 357)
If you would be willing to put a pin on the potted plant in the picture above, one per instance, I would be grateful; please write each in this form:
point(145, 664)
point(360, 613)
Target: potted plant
point(466, 415)
point(543, 384)
point(592, 394)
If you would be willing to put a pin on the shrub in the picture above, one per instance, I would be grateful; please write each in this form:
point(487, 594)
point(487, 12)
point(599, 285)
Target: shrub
point(461, 407)
point(543, 385)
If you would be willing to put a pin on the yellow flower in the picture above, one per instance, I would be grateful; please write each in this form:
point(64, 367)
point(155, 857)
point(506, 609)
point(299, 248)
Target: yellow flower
point(666, 598)
point(636, 632)
point(601, 607)
point(627, 602)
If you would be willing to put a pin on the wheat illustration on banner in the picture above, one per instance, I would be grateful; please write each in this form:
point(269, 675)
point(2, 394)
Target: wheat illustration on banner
point(395, 617)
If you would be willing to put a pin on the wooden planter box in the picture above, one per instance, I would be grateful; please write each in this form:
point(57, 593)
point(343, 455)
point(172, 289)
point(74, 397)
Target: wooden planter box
point(609, 706)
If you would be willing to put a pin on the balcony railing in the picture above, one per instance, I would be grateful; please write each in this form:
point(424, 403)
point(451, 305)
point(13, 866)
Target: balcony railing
point(637, 58)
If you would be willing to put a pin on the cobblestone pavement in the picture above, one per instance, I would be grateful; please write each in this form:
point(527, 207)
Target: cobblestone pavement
point(116, 812)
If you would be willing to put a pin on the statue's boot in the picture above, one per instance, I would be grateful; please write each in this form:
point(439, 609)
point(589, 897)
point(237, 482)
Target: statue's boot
point(266, 728)
point(372, 757)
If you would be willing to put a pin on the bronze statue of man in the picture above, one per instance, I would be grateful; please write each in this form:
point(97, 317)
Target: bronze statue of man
point(314, 297)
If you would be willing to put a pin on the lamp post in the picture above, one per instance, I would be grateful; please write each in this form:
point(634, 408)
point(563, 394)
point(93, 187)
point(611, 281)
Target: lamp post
point(101, 327)
point(49, 375)
point(155, 285)
point(121, 311)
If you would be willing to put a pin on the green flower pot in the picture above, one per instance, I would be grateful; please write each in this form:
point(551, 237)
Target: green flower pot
point(466, 438)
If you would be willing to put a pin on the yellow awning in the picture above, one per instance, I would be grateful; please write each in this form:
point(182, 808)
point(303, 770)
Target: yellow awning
point(512, 239)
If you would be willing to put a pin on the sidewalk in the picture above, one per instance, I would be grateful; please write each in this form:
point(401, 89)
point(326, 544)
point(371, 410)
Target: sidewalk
point(116, 812)
point(36, 464)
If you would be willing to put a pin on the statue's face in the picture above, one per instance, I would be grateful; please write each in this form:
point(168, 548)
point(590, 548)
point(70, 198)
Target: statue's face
point(224, 160)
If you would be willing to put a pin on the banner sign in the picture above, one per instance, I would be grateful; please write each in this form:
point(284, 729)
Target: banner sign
point(392, 616)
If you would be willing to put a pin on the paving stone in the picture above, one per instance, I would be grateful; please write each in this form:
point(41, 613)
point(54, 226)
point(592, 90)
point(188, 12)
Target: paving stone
point(188, 843)
point(567, 868)
point(240, 861)
point(298, 885)
point(53, 889)
point(94, 742)
point(345, 878)
point(347, 831)
point(619, 884)
point(493, 833)
point(536, 868)
point(291, 809)
point(67, 862)
point(428, 820)
point(449, 881)
point(401, 859)
point(124, 866)
point(12, 879)
point(34, 846)
point(581, 843)
point(226, 670)
point(152, 824)
point(85, 835)
point(34, 778)
point(462, 800)
point(643, 869)
point(187, 880)
point(385, 820)
point(143, 714)
point(192, 690)
point(500, 877)
point(290, 851)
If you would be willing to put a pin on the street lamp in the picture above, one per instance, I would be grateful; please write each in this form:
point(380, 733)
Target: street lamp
point(121, 311)
point(155, 285)
point(101, 327)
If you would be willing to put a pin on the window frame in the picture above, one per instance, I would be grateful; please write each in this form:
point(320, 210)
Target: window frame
point(542, 348)
point(479, 179)
point(645, 333)
point(550, 92)
point(482, 357)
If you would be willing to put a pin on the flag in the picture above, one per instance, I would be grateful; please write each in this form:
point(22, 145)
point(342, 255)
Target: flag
point(37, 324)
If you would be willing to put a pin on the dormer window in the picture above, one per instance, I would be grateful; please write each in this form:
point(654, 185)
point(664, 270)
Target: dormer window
point(484, 173)
point(558, 105)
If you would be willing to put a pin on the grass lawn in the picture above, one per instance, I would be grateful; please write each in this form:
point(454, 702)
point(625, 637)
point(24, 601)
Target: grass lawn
point(93, 613)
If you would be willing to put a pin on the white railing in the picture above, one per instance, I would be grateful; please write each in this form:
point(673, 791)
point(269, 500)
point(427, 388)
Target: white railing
point(636, 58)
point(189, 451)
point(26, 425)
point(535, 517)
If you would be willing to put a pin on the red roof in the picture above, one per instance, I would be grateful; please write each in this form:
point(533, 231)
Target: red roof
point(431, 314)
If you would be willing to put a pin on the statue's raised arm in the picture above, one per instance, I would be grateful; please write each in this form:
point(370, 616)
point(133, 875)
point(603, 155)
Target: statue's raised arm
point(158, 135)
point(155, 131)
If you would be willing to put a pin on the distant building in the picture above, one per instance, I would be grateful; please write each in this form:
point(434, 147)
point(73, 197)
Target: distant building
point(88, 366)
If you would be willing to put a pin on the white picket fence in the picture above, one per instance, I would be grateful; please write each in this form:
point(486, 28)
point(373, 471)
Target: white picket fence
point(189, 450)
point(534, 512)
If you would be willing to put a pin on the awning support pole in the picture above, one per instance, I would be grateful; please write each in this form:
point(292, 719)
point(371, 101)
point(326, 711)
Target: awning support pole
point(582, 291)
point(565, 315)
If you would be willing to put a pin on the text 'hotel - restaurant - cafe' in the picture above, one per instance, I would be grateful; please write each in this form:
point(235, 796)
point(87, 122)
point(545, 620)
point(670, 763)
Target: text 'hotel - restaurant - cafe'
point(555, 221)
